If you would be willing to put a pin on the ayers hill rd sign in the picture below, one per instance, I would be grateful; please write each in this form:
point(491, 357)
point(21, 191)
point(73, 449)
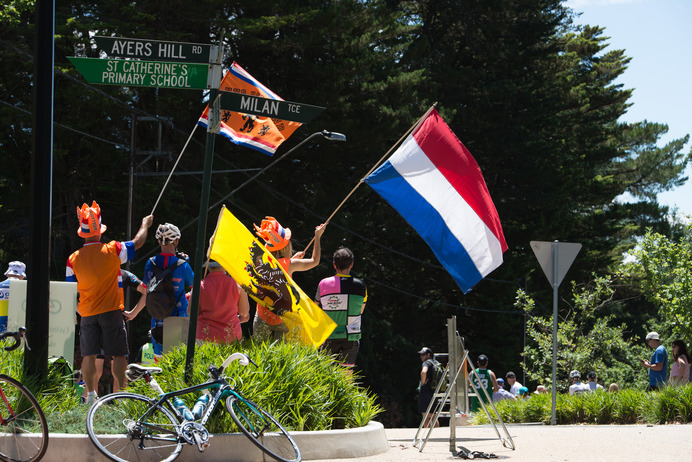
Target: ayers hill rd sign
point(120, 47)
point(189, 69)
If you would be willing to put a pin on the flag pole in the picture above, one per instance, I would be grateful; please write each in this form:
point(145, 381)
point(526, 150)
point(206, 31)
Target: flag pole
point(173, 170)
point(413, 127)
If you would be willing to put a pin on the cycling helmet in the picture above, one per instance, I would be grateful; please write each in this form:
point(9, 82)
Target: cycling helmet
point(167, 233)
point(574, 374)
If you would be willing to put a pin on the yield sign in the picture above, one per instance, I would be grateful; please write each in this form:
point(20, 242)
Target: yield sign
point(566, 253)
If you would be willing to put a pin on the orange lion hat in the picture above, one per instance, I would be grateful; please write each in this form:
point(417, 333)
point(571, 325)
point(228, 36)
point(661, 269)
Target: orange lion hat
point(90, 221)
point(275, 236)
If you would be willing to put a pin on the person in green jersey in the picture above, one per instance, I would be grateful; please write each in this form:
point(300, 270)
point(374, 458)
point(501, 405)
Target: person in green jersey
point(486, 380)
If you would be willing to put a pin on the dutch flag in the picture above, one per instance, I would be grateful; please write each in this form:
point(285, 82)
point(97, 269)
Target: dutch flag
point(436, 185)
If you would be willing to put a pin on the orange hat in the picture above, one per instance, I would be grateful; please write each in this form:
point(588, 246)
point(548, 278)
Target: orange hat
point(275, 236)
point(90, 221)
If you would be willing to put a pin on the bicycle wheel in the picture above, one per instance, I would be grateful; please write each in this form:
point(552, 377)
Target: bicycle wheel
point(23, 429)
point(263, 429)
point(116, 427)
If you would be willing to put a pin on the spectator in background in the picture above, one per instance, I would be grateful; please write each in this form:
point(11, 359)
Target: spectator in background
point(593, 381)
point(513, 384)
point(15, 270)
point(223, 305)
point(488, 382)
point(613, 388)
point(502, 394)
point(524, 393)
point(680, 369)
point(577, 387)
point(425, 391)
point(658, 365)
point(541, 390)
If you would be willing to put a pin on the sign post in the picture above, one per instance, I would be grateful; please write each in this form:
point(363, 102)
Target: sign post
point(555, 259)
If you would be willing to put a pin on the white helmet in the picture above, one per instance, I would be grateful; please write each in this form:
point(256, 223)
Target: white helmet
point(167, 233)
point(574, 374)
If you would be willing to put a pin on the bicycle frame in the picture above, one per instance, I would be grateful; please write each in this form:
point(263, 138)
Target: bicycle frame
point(224, 390)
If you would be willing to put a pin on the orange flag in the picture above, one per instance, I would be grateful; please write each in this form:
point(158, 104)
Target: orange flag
point(256, 132)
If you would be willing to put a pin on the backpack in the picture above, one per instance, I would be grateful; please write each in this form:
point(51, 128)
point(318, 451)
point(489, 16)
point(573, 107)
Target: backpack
point(437, 376)
point(161, 299)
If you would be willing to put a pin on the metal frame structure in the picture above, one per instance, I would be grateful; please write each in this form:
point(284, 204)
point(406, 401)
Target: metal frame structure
point(457, 393)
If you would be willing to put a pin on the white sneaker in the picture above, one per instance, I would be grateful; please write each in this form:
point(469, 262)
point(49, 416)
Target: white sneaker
point(91, 399)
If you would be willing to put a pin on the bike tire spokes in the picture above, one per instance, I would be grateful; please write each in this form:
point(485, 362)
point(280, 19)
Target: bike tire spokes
point(117, 429)
point(24, 431)
point(263, 430)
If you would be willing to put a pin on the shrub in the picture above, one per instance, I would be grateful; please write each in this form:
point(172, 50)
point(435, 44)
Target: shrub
point(303, 388)
point(669, 405)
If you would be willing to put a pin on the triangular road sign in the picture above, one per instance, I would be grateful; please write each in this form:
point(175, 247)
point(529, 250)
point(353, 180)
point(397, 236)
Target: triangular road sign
point(566, 253)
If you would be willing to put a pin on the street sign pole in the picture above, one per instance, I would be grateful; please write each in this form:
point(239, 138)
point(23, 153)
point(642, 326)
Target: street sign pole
point(200, 251)
point(556, 284)
point(555, 259)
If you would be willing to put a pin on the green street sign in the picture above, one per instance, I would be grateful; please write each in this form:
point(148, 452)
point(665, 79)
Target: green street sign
point(142, 73)
point(275, 109)
point(154, 49)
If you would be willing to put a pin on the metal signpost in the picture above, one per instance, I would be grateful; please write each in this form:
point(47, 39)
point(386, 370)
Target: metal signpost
point(555, 259)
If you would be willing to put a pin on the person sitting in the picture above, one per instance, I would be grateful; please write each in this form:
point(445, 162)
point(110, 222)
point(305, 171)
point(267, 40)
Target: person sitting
point(501, 394)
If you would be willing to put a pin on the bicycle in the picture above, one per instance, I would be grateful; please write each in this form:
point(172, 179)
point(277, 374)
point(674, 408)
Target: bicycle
point(157, 428)
point(23, 426)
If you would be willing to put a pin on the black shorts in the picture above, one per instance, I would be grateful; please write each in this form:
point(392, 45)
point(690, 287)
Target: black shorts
point(425, 394)
point(345, 350)
point(103, 333)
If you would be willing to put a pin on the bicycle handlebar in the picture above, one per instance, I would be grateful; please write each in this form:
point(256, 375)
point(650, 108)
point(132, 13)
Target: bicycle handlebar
point(242, 359)
point(18, 337)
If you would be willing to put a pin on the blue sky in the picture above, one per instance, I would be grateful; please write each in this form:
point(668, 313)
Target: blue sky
point(654, 33)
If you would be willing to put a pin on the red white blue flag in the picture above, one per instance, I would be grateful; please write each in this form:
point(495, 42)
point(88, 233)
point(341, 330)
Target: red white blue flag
point(436, 185)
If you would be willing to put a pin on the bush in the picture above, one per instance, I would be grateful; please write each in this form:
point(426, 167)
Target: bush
point(669, 405)
point(303, 388)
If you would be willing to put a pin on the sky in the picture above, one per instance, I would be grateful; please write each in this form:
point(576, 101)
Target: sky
point(654, 33)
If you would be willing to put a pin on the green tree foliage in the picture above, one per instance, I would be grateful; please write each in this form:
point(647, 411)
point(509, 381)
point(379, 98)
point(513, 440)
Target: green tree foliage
point(588, 340)
point(663, 267)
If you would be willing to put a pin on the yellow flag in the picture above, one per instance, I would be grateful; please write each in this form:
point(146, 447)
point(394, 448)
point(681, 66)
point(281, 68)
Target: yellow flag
point(263, 278)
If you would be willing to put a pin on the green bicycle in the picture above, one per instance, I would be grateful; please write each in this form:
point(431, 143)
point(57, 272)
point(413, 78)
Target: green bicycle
point(155, 429)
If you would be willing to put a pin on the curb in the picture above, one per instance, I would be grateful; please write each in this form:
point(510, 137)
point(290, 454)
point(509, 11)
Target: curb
point(226, 447)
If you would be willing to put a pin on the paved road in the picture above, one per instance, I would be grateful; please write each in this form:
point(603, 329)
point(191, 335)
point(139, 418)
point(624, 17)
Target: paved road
point(541, 443)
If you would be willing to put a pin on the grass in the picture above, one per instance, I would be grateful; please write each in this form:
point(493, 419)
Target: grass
point(669, 405)
point(305, 389)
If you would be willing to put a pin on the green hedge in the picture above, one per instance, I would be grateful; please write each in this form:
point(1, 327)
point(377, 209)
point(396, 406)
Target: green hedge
point(669, 405)
point(303, 388)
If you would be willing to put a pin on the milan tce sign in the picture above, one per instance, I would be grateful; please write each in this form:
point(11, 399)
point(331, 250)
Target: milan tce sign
point(275, 109)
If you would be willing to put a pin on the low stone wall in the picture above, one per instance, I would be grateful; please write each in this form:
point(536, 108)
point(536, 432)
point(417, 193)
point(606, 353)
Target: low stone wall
point(332, 444)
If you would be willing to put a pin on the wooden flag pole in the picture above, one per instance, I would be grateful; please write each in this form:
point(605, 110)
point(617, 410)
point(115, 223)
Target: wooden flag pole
point(413, 127)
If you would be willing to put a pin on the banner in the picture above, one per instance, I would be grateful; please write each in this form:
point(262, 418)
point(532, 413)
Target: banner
point(262, 134)
point(262, 277)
